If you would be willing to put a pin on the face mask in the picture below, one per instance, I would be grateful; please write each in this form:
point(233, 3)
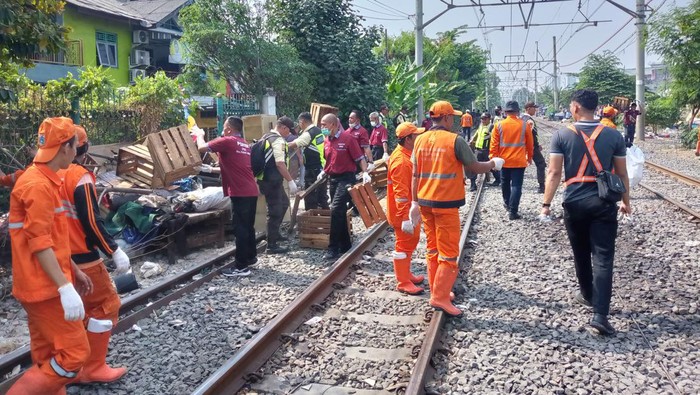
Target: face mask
point(352, 125)
point(373, 123)
point(325, 132)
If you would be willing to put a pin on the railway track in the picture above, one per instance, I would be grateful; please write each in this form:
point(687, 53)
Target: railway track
point(345, 297)
point(683, 192)
point(136, 306)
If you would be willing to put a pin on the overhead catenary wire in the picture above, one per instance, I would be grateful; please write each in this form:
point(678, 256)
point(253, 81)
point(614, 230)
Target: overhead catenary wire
point(389, 8)
point(380, 12)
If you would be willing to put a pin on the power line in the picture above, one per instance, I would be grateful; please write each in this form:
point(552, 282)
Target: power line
point(386, 19)
point(388, 8)
point(378, 12)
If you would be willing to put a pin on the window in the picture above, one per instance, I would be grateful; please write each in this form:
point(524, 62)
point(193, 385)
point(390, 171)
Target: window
point(106, 49)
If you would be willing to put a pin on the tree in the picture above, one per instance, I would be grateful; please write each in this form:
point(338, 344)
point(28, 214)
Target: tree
point(662, 112)
point(675, 36)
point(227, 38)
point(522, 96)
point(329, 35)
point(605, 75)
point(28, 27)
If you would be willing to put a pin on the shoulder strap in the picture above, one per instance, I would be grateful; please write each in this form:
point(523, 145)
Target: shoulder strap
point(596, 163)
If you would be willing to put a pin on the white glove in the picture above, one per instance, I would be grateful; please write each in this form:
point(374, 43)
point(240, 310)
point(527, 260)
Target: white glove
point(414, 214)
point(320, 175)
point(385, 157)
point(204, 168)
point(121, 260)
point(366, 179)
point(370, 167)
point(498, 162)
point(73, 309)
point(407, 226)
point(197, 132)
point(292, 188)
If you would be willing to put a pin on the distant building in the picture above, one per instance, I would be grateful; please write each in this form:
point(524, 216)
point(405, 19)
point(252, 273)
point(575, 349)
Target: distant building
point(656, 77)
point(570, 80)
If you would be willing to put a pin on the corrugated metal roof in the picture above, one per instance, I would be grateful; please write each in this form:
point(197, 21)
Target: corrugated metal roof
point(151, 11)
point(112, 7)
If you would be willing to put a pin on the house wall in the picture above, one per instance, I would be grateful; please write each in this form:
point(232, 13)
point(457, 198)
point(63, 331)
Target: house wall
point(84, 26)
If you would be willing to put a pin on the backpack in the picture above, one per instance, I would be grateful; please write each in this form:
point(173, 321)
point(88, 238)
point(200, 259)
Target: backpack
point(395, 120)
point(261, 155)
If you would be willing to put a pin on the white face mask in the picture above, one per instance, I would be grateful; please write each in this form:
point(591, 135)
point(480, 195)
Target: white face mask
point(373, 124)
point(352, 125)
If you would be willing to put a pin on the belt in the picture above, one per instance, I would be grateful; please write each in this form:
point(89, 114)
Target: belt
point(89, 264)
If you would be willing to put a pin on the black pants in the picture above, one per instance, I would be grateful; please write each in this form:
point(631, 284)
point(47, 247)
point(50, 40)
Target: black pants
point(629, 136)
point(340, 236)
point(541, 164)
point(318, 198)
point(482, 155)
point(467, 133)
point(277, 205)
point(244, 228)
point(512, 187)
point(377, 152)
point(591, 224)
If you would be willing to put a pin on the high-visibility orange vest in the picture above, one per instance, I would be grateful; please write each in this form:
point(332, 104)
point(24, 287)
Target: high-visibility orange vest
point(440, 174)
point(467, 120)
point(590, 144)
point(398, 189)
point(512, 140)
point(608, 122)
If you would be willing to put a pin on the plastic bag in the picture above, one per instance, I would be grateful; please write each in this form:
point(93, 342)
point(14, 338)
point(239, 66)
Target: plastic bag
point(210, 198)
point(635, 165)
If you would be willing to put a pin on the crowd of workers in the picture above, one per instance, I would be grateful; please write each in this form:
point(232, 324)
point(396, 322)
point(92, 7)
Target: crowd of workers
point(57, 234)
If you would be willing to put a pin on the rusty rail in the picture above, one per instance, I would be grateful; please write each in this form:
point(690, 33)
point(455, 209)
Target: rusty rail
point(673, 173)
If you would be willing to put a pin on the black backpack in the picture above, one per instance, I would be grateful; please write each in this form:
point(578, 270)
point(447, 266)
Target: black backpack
point(395, 120)
point(261, 154)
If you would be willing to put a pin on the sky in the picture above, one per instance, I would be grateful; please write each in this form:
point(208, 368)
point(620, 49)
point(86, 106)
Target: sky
point(573, 47)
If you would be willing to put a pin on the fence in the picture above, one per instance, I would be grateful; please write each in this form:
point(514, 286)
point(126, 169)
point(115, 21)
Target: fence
point(236, 105)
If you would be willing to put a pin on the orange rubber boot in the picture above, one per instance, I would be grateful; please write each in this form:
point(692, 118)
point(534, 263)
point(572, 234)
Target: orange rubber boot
point(36, 382)
point(432, 264)
point(417, 279)
point(402, 269)
point(440, 296)
point(96, 368)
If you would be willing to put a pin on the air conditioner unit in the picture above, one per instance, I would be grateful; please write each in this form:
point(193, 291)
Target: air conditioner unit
point(140, 37)
point(140, 58)
point(136, 73)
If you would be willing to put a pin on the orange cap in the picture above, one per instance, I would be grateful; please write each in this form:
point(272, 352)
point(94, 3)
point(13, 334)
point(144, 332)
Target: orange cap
point(82, 135)
point(609, 111)
point(442, 108)
point(52, 133)
point(407, 129)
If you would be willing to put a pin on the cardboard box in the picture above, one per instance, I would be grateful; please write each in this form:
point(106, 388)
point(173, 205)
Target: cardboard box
point(255, 126)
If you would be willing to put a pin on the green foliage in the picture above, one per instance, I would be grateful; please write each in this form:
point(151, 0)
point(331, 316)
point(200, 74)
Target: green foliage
point(675, 36)
point(229, 39)
point(689, 136)
point(28, 27)
point(156, 97)
point(604, 74)
point(328, 35)
point(662, 112)
point(196, 81)
point(522, 96)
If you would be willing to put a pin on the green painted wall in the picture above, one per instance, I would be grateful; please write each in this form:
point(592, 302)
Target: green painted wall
point(83, 27)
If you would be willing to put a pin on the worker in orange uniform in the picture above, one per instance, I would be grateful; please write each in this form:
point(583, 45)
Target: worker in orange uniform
point(87, 235)
point(440, 158)
point(609, 113)
point(400, 172)
point(43, 274)
point(697, 147)
point(512, 140)
point(467, 123)
point(8, 180)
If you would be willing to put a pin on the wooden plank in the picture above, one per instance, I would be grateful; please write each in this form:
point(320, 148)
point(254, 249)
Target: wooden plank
point(357, 198)
point(160, 158)
point(189, 145)
point(381, 216)
point(174, 159)
point(182, 146)
point(364, 190)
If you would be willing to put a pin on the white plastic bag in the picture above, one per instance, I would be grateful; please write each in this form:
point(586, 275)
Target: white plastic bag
point(210, 198)
point(635, 165)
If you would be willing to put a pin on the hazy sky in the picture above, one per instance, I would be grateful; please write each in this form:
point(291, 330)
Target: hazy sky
point(573, 47)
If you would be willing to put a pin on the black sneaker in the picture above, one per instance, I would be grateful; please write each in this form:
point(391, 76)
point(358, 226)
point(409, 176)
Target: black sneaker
point(578, 298)
point(514, 216)
point(276, 249)
point(600, 323)
point(252, 262)
point(496, 184)
point(331, 255)
point(540, 189)
point(233, 272)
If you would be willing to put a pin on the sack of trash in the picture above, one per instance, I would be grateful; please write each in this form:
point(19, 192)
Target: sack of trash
point(635, 165)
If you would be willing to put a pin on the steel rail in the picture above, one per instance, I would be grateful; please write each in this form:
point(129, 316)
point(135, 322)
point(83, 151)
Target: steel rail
point(682, 177)
point(423, 369)
point(234, 373)
point(671, 200)
point(21, 356)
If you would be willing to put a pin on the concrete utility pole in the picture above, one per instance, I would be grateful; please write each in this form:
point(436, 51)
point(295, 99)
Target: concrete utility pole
point(419, 58)
point(640, 70)
point(556, 82)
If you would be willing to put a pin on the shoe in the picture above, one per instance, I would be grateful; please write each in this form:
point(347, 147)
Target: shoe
point(331, 255)
point(540, 189)
point(276, 249)
point(402, 269)
point(417, 279)
point(252, 262)
point(95, 369)
point(578, 298)
point(440, 296)
point(233, 272)
point(472, 188)
point(514, 216)
point(505, 206)
point(601, 324)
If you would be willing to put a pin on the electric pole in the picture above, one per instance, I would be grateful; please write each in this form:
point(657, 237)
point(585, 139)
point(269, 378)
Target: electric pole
point(640, 70)
point(556, 82)
point(419, 58)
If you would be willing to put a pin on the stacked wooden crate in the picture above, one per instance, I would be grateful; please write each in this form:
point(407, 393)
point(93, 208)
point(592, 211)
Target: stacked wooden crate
point(315, 228)
point(255, 126)
point(318, 110)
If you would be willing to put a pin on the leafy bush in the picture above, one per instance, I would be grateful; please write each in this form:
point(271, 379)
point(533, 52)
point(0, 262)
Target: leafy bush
point(688, 136)
point(159, 99)
point(662, 112)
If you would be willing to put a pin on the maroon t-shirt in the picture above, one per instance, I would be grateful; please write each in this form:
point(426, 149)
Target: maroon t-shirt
point(342, 152)
point(631, 117)
point(360, 134)
point(236, 172)
point(379, 135)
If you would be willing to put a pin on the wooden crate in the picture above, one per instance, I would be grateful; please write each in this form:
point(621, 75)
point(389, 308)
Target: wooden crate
point(318, 110)
point(315, 228)
point(367, 204)
point(135, 165)
point(174, 154)
point(255, 126)
point(379, 175)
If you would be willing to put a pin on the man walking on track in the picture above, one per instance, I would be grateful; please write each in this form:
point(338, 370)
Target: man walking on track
point(630, 122)
point(467, 123)
point(42, 272)
point(512, 140)
point(591, 222)
point(398, 203)
point(87, 235)
point(538, 158)
point(440, 158)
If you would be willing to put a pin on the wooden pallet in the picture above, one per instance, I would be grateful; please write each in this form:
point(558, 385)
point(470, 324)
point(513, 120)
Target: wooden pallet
point(318, 110)
point(174, 154)
point(135, 165)
point(315, 228)
point(367, 204)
